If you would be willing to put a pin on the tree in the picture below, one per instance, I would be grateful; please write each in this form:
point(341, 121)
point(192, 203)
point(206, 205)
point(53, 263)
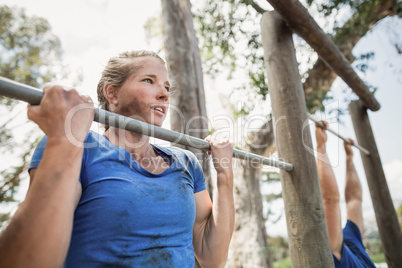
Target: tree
point(230, 39)
point(29, 50)
point(229, 35)
point(188, 111)
point(30, 54)
point(182, 51)
point(250, 246)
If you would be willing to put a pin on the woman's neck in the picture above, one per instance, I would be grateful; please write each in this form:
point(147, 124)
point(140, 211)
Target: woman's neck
point(134, 143)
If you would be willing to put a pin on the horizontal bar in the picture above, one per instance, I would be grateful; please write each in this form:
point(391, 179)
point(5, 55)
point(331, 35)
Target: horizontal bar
point(15, 90)
point(320, 124)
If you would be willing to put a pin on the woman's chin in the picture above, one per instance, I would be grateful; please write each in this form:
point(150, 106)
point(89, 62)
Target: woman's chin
point(156, 123)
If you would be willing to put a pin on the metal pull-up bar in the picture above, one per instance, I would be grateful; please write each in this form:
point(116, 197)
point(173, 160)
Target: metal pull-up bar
point(15, 90)
point(320, 124)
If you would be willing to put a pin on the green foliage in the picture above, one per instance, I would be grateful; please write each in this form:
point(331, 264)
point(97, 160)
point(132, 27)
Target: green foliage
point(373, 245)
point(283, 263)
point(11, 177)
point(28, 49)
point(362, 62)
point(230, 43)
point(372, 241)
point(399, 214)
point(230, 40)
point(315, 102)
point(30, 54)
point(271, 176)
point(279, 248)
point(258, 82)
point(271, 197)
point(153, 28)
point(229, 35)
point(4, 218)
point(328, 7)
point(378, 258)
point(218, 49)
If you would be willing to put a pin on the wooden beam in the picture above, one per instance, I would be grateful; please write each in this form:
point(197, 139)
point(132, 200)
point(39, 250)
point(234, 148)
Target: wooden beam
point(387, 220)
point(304, 209)
point(300, 21)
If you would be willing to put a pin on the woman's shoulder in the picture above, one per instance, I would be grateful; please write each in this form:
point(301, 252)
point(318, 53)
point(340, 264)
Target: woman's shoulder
point(92, 136)
point(92, 140)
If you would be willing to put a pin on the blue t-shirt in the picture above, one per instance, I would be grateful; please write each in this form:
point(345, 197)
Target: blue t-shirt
point(129, 217)
point(353, 251)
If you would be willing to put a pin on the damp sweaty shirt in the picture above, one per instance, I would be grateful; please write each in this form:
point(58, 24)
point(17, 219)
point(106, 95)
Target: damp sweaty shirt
point(129, 217)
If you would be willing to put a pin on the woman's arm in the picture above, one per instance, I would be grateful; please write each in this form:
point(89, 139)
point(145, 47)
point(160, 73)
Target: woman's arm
point(330, 193)
point(353, 190)
point(214, 224)
point(39, 233)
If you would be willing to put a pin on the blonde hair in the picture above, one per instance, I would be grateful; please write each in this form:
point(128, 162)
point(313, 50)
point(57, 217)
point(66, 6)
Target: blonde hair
point(118, 69)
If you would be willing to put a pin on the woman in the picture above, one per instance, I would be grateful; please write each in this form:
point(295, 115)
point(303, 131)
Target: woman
point(119, 201)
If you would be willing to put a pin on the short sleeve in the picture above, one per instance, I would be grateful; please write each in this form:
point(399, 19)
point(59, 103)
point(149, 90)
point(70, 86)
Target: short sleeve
point(352, 233)
point(38, 153)
point(353, 240)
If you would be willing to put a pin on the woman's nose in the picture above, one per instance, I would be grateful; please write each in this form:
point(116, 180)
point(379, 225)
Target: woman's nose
point(163, 93)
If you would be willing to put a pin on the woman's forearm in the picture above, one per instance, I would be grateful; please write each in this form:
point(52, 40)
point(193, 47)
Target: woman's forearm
point(220, 225)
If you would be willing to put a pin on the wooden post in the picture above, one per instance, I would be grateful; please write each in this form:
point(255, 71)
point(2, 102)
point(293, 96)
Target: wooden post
point(304, 209)
point(188, 112)
point(386, 217)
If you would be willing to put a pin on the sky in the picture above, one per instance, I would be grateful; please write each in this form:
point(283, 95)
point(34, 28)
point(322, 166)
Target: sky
point(91, 31)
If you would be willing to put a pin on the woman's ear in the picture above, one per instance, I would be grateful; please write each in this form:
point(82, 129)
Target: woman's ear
point(110, 93)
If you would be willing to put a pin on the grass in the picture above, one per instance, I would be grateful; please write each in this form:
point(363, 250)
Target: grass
point(377, 258)
point(284, 263)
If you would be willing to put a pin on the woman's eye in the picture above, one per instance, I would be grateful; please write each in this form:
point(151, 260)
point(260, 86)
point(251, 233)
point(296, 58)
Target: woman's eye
point(148, 80)
point(167, 89)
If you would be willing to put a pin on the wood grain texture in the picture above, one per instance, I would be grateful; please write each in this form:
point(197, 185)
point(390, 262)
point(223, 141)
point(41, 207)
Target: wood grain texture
point(306, 224)
point(387, 220)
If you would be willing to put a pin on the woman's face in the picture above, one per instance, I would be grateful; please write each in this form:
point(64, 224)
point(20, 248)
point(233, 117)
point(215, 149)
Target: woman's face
point(145, 94)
